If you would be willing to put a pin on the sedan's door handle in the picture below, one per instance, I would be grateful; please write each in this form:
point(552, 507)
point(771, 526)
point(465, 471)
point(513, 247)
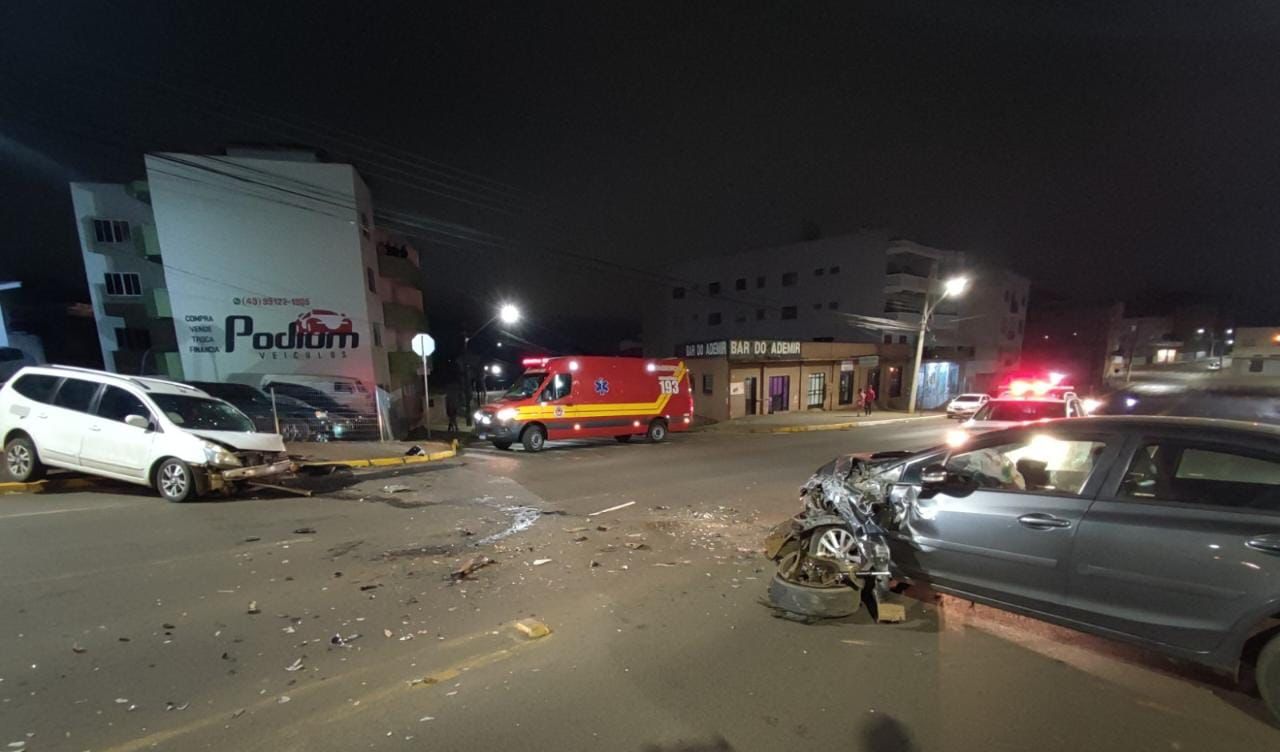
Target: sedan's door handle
point(95, 427)
point(1265, 544)
point(1039, 521)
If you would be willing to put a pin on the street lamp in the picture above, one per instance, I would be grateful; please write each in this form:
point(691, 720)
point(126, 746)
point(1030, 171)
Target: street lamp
point(952, 288)
point(508, 313)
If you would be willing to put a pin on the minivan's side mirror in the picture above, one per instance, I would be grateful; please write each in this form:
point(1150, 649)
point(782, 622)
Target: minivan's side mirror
point(137, 421)
point(934, 475)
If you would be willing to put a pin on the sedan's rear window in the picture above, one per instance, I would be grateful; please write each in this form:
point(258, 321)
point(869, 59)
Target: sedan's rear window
point(1020, 410)
point(35, 386)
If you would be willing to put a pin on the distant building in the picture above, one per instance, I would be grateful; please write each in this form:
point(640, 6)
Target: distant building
point(254, 266)
point(1256, 351)
point(860, 288)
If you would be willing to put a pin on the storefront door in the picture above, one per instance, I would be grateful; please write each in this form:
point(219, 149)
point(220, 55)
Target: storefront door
point(779, 394)
point(751, 387)
point(846, 387)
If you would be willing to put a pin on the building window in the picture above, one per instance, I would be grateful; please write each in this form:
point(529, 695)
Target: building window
point(677, 293)
point(888, 339)
point(713, 288)
point(707, 383)
point(740, 318)
point(111, 230)
point(817, 389)
point(128, 338)
point(1256, 364)
point(833, 305)
point(1020, 323)
point(819, 272)
point(377, 333)
point(789, 279)
point(740, 283)
point(370, 280)
point(126, 284)
point(713, 318)
point(759, 314)
point(759, 282)
point(834, 270)
point(817, 306)
point(788, 312)
point(695, 317)
point(902, 339)
point(1166, 355)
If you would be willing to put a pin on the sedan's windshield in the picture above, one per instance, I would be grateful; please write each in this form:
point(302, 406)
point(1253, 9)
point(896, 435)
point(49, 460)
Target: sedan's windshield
point(201, 414)
point(525, 386)
point(1020, 410)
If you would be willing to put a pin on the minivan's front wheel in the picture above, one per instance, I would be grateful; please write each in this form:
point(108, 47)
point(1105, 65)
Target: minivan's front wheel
point(21, 461)
point(175, 481)
point(1267, 675)
point(657, 431)
point(534, 439)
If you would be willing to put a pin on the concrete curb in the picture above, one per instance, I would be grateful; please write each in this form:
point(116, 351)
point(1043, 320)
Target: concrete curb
point(823, 426)
point(389, 461)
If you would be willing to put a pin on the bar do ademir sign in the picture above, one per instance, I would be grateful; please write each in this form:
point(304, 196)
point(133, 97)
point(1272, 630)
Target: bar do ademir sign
point(742, 349)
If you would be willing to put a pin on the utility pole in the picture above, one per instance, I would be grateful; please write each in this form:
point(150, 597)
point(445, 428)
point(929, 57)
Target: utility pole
point(951, 288)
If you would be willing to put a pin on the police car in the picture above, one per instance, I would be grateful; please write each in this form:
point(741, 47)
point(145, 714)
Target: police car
point(1022, 402)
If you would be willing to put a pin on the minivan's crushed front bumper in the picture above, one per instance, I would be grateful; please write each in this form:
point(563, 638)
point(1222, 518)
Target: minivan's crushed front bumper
point(258, 466)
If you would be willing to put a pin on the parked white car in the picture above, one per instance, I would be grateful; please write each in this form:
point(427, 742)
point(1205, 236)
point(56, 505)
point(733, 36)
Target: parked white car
point(162, 434)
point(1014, 411)
point(965, 405)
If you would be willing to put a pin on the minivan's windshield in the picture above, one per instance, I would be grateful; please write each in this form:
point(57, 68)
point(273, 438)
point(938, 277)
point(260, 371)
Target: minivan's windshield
point(1019, 410)
point(201, 414)
point(526, 385)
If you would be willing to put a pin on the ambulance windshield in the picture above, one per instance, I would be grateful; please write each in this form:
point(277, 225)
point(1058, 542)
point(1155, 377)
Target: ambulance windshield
point(526, 386)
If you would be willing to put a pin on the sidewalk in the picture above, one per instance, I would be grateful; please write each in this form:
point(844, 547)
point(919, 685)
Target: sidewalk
point(371, 453)
point(798, 422)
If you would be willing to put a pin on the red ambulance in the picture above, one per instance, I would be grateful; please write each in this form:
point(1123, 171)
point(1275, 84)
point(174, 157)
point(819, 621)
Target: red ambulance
point(583, 396)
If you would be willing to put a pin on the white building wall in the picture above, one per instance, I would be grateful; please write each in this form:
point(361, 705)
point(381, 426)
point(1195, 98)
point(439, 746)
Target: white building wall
point(91, 201)
point(251, 245)
point(856, 286)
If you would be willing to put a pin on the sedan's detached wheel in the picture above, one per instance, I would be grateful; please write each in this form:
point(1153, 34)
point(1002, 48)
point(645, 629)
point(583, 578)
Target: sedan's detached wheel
point(21, 462)
point(175, 481)
point(1267, 674)
point(534, 439)
point(657, 431)
point(819, 602)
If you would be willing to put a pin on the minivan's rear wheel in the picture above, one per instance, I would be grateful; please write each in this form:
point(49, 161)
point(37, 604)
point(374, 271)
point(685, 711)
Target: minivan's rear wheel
point(21, 462)
point(657, 431)
point(534, 439)
point(175, 481)
point(1267, 675)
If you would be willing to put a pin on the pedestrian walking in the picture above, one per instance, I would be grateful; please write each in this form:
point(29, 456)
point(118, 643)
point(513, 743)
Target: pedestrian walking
point(862, 400)
point(451, 409)
point(869, 400)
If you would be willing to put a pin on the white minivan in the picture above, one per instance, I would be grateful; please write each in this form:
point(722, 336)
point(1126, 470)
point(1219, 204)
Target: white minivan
point(162, 434)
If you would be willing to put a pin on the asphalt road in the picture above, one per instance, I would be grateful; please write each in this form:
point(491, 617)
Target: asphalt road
point(131, 624)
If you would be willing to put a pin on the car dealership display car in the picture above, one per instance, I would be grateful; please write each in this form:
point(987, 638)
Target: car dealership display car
point(1159, 531)
point(162, 434)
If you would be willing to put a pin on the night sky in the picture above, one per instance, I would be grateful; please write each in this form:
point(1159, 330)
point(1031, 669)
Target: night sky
point(1105, 151)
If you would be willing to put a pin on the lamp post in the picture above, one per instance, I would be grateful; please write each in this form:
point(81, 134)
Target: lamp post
point(508, 314)
point(953, 287)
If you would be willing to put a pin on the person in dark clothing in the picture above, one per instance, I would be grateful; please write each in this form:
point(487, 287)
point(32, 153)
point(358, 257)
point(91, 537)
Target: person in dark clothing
point(869, 400)
point(451, 409)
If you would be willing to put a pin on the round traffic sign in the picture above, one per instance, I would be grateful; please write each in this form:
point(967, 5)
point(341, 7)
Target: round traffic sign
point(423, 345)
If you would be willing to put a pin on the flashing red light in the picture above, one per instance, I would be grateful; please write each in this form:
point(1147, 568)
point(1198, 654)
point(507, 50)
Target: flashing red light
point(1023, 388)
point(533, 361)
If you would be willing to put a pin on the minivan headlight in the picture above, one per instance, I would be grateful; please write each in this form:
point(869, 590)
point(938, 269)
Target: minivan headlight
point(219, 456)
point(506, 413)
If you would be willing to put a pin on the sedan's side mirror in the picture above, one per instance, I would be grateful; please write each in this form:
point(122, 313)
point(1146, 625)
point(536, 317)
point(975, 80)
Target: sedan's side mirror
point(934, 475)
point(137, 421)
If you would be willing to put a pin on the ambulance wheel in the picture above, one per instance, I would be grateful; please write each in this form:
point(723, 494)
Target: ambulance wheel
point(624, 438)
point(657, 431)
point(534, 438)
point(503, 444)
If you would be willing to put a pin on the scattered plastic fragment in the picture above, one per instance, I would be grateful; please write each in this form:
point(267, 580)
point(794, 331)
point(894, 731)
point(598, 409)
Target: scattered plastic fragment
point(540, 562)
point(612, 509)
point(532, 628)
point(295, 666)
point(305, 531)
point(253, 608)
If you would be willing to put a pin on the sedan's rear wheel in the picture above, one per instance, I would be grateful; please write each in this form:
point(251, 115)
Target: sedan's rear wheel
point(175, 481)
point(1267, 674)
point(21, 462)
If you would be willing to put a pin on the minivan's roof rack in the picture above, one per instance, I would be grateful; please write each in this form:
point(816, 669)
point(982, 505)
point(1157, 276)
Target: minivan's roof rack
point(137, 380)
